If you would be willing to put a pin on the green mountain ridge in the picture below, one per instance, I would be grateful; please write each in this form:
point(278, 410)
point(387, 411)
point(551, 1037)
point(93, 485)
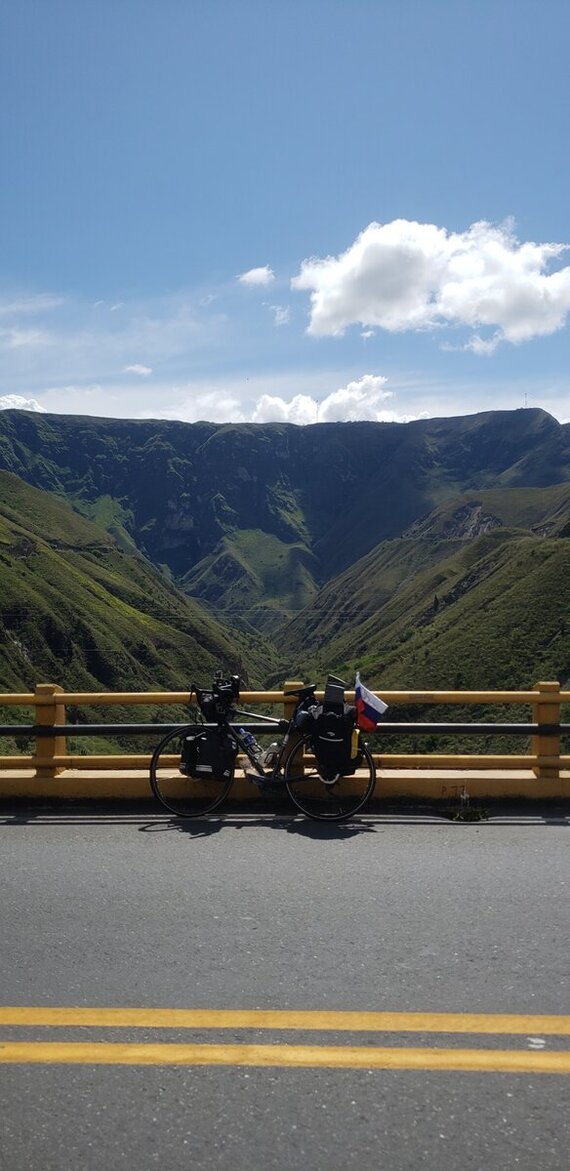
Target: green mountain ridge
point(181, 491)
point(388, 547)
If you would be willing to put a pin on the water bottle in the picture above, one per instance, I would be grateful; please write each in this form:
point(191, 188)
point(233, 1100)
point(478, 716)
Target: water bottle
point(250, 743)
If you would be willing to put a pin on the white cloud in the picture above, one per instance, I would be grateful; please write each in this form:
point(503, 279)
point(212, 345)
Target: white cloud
point(281, 314)
point(257, 276)
point(410, 276)
point(144, 371)
point(267, 399)
point(16, 402)
point(358, 400)
point(272, 409)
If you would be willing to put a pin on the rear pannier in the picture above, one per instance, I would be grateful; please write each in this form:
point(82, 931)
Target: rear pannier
point(331, 725)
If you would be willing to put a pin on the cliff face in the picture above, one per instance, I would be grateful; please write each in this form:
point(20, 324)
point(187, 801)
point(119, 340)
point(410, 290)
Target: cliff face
point(465, 523)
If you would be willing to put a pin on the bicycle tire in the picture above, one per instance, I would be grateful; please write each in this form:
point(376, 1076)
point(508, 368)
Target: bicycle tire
point(327, 799)
point(182, 795)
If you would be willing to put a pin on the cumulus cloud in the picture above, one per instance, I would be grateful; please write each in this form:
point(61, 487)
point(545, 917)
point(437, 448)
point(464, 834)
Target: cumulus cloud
point(410, 276)
point(273, 409)
point(362, 399)
point(16, 402)
point(144, 371)
point(257, 276)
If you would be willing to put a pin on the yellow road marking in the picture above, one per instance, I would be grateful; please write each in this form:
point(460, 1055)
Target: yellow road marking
point(308, 1056)
point(180, 1018)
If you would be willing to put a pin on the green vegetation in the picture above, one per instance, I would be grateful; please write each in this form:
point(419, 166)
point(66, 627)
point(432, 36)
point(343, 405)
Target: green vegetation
point(77, 610)
point(461, 598)
point(138, 555)
point(254, 579)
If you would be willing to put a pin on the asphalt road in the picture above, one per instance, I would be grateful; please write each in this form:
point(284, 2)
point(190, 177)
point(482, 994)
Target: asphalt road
point(386, 915)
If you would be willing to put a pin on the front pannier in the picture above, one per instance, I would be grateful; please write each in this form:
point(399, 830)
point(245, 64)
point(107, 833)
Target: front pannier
point(210, 754)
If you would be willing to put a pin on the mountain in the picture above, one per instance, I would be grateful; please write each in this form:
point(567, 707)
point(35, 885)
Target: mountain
point(78, 610)
point(475, 595)
point(431, 554)
point(252, 519)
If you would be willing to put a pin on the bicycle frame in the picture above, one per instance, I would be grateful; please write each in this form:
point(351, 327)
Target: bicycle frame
point(323, 795)
point(274, 774)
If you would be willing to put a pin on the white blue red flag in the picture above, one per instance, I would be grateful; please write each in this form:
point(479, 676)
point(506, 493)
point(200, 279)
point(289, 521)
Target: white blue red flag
point(369, 708)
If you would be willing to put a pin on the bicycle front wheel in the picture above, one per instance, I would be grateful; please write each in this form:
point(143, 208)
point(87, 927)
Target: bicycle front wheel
point(181, 794)
point(327, 798)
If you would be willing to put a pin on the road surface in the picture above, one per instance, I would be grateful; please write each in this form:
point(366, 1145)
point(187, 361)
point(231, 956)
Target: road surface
point(430, 957)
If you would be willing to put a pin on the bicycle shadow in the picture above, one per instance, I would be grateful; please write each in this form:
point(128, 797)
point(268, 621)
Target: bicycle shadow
point(202, 827)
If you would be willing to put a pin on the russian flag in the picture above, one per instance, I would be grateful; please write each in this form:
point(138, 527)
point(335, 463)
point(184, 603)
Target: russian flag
point(369, 708)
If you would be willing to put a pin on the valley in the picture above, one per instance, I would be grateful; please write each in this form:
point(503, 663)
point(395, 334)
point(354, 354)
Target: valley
point(134, 554)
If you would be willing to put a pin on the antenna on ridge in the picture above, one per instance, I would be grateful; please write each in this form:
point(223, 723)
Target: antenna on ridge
point(525, 399)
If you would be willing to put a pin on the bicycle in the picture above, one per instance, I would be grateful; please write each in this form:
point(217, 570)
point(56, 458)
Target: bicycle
point(192, 768)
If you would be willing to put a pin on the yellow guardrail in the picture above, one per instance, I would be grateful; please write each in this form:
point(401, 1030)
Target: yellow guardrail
point(50, 701)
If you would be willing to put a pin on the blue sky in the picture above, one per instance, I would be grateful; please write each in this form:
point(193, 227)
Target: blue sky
point(257, 210)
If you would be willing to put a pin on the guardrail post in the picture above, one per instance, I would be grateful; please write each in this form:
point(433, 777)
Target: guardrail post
point(546, 710)
point(47, 747)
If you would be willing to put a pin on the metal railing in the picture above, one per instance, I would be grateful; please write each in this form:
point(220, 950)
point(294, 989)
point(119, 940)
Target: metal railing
point(51, 730)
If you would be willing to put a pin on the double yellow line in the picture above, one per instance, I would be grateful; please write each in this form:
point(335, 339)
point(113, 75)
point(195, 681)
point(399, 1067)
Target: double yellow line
point(530, 1060)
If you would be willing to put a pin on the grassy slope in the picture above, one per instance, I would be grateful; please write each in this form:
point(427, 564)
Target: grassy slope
point(434, 611)
point(78, 610)
point(254, 579)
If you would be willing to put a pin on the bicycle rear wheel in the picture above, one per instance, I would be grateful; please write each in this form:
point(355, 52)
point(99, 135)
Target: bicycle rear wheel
point(180, 794)
point(327, 798)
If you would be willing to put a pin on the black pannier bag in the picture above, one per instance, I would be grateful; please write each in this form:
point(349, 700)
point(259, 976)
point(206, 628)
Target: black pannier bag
point(210, 754)
point(334, 736)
